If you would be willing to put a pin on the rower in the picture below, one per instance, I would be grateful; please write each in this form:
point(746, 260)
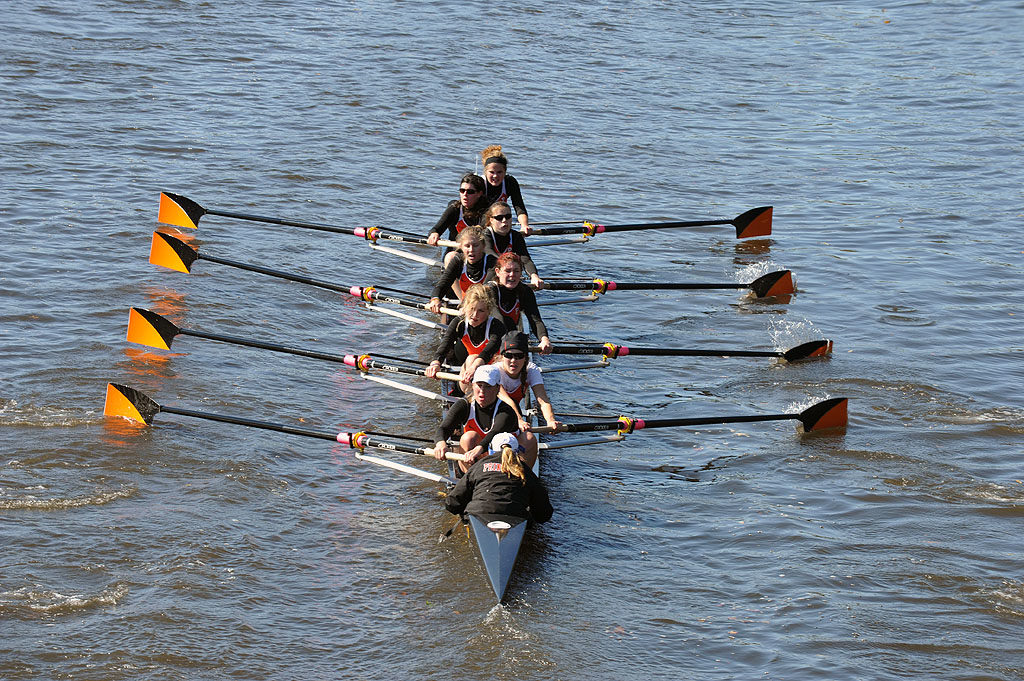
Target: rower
point(462, 212)
point(467, 266)
point(481, 416)
point(500, 186)
point(501, 485)
point(497, 222)
point(473, 339)
point(516, 300)
point(518, 375)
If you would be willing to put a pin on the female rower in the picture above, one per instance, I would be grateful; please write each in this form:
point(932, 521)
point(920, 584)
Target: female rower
point(516, 300)
point(518, 375)
point(472, 339)
point(462, 212)
point(469, 265)
point(480, 417)
point(497, 221)
point(502, 484)
point(500, 186)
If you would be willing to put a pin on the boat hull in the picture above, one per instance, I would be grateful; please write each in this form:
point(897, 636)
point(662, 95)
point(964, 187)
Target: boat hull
point(498, 550)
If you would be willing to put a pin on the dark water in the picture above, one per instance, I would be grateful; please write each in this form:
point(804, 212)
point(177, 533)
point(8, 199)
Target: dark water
point(889, 142)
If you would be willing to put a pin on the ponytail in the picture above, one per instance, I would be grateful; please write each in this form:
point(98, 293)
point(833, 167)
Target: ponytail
point(511, 464)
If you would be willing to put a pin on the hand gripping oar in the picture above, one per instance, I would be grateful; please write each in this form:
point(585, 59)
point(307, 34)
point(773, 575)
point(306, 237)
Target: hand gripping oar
point(827, 414)
point(778, 283)
point(182, 211)
point(134, 405)
point(148, 328)
point(815, 348)
point(754, 222)
point(173, 253)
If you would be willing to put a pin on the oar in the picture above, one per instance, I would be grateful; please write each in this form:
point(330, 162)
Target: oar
point(135, 405)
point(778, 283)
point(148, 328)
point(182, 211)
point(754, 222)
point(827, 414)
point(815, 348)
point(371, 295)
point(173, 253)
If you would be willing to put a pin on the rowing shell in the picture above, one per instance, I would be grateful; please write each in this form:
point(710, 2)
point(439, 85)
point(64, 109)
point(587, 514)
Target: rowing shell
point(499, 543)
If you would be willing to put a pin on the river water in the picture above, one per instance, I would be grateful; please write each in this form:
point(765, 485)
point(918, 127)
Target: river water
point(889, 142)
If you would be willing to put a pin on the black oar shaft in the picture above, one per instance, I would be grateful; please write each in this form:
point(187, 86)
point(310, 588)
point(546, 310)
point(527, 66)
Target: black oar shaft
point(265, 425)
point(280, 221)
point(264, 346)
point(276, 273)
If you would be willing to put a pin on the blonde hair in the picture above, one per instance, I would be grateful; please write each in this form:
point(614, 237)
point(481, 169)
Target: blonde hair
point(511, 464)
point(493, 153)
point(475, 232)
point(478, 294)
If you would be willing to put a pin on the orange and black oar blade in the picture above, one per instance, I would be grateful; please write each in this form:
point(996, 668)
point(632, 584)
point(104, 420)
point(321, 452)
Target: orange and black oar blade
point(129, 403)
point(179, 211)
point(182, 211)
point(175, 254)
point(773, 284)
point(754, 222)
point(815, 348)
point(149, 328)
point(827, 414)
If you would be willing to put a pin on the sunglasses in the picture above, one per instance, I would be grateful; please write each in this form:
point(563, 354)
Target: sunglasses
point(502, 217)
point(468, 190)
point(513, 355)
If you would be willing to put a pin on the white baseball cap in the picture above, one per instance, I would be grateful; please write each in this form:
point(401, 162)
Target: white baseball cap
point(502, 439)
point(488, 373)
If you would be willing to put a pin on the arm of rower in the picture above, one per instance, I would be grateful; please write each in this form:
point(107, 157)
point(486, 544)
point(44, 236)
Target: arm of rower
point(459, 497)
point(494, 337)
point(444, 348)
point(444, 222)
point(545, 404)
point(454, 418)
point(444, 285)
point(507, 399)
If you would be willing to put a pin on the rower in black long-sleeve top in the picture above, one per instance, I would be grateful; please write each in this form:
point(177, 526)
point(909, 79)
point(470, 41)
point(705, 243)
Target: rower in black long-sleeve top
point(467, 266)
point(516, 300)
point(501, 484)
point(481, 416)
point(473, 339)
point(499, 238)
point(500, 186)
point(463, 212)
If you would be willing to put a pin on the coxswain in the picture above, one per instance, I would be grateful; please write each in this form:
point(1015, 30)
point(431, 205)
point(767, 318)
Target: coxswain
point(500, 186)
point(499, 238)
point(480, 417)
point(469, 265)
point(473, 339)
point(462, 212)
point(501, 484)
point(516, 300)
point(518, 376)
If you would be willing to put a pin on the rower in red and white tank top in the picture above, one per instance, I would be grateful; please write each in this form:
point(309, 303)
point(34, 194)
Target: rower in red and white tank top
point(466, 279)
point(477, 348)
point(473, 425)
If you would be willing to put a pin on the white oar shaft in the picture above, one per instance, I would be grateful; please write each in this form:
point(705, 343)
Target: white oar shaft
point(405, 469)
